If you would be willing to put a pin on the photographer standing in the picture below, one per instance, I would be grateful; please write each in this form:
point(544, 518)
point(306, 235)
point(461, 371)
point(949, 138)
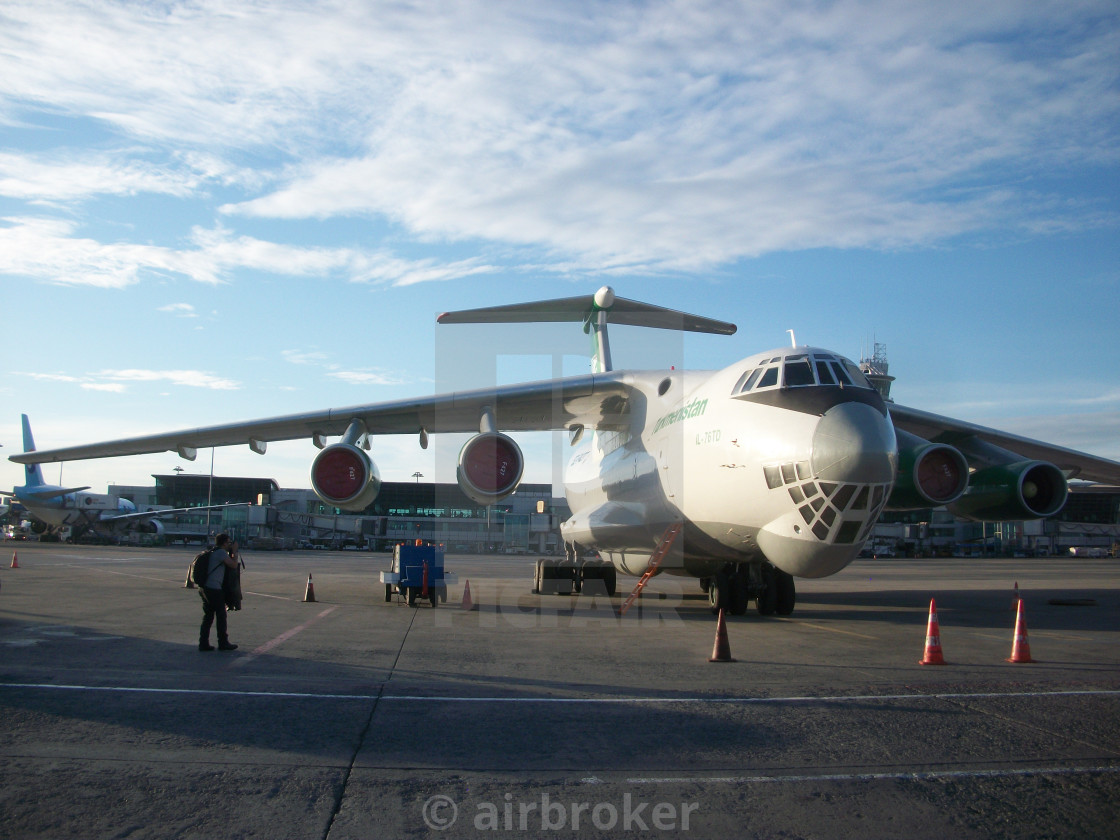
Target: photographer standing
point(213, 598)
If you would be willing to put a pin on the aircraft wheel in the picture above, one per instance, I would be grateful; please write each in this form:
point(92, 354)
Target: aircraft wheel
point(610, 578)
point(767, 601)
point(739, 596)
point(787, 593)
point(718, 592)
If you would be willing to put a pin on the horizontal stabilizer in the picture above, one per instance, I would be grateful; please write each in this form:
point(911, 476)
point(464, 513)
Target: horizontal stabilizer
point(621, 311)
point(53, 492)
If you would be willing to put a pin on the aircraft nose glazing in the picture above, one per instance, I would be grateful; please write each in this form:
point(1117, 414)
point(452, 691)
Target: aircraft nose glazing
point(854, 443)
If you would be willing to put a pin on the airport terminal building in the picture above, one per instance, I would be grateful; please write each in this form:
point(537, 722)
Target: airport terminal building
point(528, 521)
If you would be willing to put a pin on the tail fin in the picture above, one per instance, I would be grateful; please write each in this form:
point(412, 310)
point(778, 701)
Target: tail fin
point(33, 473)
point(593, 311)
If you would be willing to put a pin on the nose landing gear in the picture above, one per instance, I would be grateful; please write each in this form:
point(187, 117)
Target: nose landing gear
point(733, 586)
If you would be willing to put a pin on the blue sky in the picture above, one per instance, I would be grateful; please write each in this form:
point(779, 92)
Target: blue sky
point(215, 211)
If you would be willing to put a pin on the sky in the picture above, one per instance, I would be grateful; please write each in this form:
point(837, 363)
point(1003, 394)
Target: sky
point(217, 211)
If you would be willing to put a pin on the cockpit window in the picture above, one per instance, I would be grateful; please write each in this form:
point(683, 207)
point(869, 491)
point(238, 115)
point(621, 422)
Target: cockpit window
point(801, 370)
point(746, 381)
point(798, 373)
point(856, 375)
point(769, 378)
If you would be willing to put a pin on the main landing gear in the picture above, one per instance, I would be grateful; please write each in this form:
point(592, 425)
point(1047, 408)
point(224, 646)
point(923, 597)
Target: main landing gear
point(734, 585)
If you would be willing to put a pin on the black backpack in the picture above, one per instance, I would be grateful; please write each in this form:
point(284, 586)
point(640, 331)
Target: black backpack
point(200, 567)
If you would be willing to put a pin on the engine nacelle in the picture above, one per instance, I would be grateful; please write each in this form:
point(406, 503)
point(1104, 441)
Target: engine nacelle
point(150, 526)
point(1022, 490)
point(929, 474)
point(490, 467)
point(343, 476)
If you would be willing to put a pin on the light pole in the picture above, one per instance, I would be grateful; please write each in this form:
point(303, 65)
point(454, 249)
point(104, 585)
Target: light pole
point(418, 476)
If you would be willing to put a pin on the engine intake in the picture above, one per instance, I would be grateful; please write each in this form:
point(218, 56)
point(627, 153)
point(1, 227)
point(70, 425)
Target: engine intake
point(1021, 490)
point(929, 474)
point(490, 467)
point(343, 476)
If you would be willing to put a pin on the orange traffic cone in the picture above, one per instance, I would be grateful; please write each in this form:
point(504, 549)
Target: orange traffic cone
point(15, 561)
point(721, 650)
point(1021, 648)
point(933, 638)
point(309, 593)
point(468, 604)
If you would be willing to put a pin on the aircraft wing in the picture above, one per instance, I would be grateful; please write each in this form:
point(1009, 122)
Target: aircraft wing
point(53, 493)
point(155, 514)
point(593, 401)
point(958, 433)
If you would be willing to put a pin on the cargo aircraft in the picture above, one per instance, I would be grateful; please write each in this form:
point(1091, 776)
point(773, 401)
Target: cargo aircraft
point(774, 467)
point(53, 507)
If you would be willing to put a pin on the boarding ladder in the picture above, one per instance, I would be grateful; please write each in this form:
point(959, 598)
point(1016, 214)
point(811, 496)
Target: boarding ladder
point(654, 563)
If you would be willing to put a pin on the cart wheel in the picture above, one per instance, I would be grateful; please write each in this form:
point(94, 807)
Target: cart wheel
point(433, 598)
point(388, 592)
point(412, 596)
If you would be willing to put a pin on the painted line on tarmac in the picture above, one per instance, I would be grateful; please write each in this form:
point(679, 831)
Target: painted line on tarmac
point(420, 698)
point(917, 776)
point(87, 568)
point(830, 629)
point(279, 640)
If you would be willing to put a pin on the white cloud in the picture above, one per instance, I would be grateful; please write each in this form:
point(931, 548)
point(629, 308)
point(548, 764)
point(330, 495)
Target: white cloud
point(673, 134)
point(304, 357)
point(52, 251)
point(53, 377)
point(186, 378)
point(116, 380)
point(183, 310)
point(37, 179)
point(366, 377)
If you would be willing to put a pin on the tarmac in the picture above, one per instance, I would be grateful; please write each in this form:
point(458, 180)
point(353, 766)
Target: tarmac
point(350, 717)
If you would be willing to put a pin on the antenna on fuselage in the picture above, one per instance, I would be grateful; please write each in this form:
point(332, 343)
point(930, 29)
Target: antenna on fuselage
point(792, 338)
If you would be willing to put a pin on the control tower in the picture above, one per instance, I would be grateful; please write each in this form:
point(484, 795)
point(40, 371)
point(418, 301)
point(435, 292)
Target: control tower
point(875, 369)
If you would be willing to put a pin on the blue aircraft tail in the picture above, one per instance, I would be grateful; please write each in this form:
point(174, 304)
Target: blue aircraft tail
point(33, 473)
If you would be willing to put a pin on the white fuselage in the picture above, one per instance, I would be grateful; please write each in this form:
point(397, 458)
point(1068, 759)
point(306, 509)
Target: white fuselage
point(793, 472)
point(70, 509)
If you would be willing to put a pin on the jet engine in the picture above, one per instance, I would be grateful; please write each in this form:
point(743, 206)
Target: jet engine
point(490, 467)
point(929, 474)
point(1020, 490)
point(344, 476)
point(151, 526)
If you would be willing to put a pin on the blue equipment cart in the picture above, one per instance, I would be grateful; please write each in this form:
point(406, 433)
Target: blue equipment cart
point(417, 572)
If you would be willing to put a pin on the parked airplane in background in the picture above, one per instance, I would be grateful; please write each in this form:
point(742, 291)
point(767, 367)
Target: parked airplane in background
point(774, 467)
point(53, 507)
